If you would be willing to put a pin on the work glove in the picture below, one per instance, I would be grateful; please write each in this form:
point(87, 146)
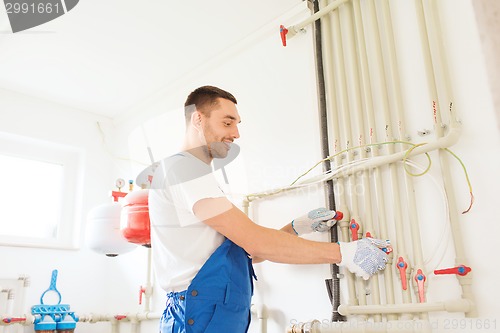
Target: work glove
point(320, 219)
point(364, 257)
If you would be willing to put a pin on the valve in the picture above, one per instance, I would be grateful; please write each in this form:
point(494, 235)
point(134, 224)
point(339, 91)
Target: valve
point(14, 320)
point(402, 266)
point(283, 32)
point(117, 194)
point(420, 279)
point(142, 290)
point(387, 250)
point(120, 317)
point(354, 227)
point(461, 270)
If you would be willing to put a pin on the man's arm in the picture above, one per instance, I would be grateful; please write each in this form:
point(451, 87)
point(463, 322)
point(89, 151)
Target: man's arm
point(260, 242)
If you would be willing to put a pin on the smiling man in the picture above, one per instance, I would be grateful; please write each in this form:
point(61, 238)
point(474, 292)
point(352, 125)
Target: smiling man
point(204, 246)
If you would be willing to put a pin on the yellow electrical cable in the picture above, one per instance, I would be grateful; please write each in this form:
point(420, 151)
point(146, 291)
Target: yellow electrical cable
point(405, 159)
point(366, 146)
point(405, 163)
point(466, 177)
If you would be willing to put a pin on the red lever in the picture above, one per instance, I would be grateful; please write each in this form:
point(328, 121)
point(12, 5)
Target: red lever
point(283, 32)
point(120, 317)
point(387, 250)
point(13, 320)
point(116, 195)
point(459, 270)
point(402, 266)
point(142, 290)
point(354, 227)
point(338, 215)
point(420, 278)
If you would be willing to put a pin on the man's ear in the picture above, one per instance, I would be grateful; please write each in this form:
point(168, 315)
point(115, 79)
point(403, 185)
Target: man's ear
point(196, 119)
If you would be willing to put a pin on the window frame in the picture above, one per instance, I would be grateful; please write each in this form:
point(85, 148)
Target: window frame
point(71, 160)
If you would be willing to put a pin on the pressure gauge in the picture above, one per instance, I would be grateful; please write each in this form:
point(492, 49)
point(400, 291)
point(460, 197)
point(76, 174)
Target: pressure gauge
point(120, 183)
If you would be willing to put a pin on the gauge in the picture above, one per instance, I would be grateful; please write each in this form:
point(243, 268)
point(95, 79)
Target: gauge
point(120, 183)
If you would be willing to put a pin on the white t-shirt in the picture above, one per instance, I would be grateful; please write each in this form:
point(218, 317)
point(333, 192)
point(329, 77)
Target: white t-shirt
point(181, 243)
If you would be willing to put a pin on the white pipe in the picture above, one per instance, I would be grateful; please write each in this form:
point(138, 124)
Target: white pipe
point(261, 312)
point(368, 107)
point(447, 141)
point(410, 190)
point(432, 30)
point(148, 292)
point(353, 35)
point(381, 75)
point(400, 326)
point(141, 316)
point(24, 282)
point(347, 140)
point(294, 29)
point(10, 305)
point(460, 305)
point(115, 326)
point(134, 326)
point(394, 96)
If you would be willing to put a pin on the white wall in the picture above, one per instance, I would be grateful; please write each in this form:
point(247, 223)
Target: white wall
point(88, 282)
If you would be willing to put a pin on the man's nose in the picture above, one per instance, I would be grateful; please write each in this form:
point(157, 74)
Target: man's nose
point(236, 133)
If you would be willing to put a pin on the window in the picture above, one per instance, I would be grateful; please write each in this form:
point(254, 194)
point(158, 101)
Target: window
point(39, 191)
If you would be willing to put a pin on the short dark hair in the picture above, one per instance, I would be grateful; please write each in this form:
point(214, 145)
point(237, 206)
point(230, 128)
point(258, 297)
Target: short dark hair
point(202, 98)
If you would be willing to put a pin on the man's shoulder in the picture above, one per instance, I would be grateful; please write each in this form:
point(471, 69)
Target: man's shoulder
point(181, 167)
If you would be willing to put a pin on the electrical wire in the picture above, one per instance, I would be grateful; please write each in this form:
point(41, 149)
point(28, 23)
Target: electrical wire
point(466, 177)
point(442, 240)
point(359, 147)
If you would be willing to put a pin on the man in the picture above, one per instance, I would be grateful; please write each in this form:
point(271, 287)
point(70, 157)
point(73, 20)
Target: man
point(204, 246)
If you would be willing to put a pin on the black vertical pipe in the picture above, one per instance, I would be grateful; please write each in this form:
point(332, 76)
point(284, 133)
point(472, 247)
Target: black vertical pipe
point(333, 284)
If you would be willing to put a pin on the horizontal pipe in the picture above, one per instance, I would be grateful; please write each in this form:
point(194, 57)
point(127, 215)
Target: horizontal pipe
point(91, 318)
point(397, 326)
point(461, 305)
point(94, 318)
point(446, 141)
point(294, 29)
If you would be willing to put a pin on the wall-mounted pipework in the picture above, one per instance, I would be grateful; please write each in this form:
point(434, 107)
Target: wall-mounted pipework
point(363, 89)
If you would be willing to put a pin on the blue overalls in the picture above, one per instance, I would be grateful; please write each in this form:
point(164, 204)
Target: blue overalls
point(218, 298)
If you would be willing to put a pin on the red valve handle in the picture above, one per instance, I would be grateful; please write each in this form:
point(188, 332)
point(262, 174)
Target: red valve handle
point(402, 266)
point(387, 250)
point(117, 194)
point(354, 227)
point(461, 270)
point(142, 290)
point(338, 215)
point(283, 32)
point(420, 278)
point(13, 320)
point(120, 317)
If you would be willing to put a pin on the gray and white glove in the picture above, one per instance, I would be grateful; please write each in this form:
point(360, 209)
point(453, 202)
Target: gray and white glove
point(319, 219)
point(364, 257)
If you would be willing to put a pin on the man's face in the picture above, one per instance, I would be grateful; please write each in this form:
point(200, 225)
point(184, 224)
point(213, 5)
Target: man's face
point(221, 128)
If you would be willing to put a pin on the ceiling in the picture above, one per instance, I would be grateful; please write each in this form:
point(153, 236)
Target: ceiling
point(108, 56)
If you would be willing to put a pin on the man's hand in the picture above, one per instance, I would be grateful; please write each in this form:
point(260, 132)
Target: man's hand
point(320, 219)
point(364, 257)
